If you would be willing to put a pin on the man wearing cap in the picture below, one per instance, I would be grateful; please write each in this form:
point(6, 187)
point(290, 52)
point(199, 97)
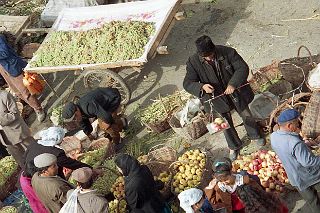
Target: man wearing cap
point(102, 104)
point(89, 201)
point(300, 164)
point(219, 70)
point(50, 188)
point(49, 142)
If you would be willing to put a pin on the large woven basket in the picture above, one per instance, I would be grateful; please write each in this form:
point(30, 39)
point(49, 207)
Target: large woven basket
point(159, 126)
point(311, 118)
point(193, 130)
point(206, 176)
point(163, 153)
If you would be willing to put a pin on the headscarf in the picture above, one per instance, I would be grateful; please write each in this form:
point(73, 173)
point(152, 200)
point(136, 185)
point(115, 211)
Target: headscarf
point(51, 136)
point(127, 164)
point(188, 198)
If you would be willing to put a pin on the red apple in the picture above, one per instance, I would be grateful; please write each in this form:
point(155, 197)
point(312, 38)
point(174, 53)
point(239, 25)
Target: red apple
point(224, 125)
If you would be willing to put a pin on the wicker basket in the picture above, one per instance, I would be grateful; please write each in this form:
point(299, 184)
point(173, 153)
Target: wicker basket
point(311, 118)
point(193, 130)
point(70, 144)
point(163, 153)
point(206, 176)
point(10, 184)
point(159, 126)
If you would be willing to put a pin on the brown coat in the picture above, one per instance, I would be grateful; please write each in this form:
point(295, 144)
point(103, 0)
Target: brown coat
point(15, 129)
point(52, 191)
point(220, 199)
point(91, 202)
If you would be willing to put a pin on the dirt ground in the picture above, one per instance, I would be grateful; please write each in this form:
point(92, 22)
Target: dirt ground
point(261, 31)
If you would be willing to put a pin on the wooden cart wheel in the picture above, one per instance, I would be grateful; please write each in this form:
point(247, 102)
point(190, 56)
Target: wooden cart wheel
point(107, 78)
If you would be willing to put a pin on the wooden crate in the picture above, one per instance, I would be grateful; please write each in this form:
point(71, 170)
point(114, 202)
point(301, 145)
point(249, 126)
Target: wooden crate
point(14, 24)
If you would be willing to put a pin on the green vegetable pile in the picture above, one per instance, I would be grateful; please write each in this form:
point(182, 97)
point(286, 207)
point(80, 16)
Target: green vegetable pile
point(56, 115)
point(93, 158)
point(160, 108)
point(9, 209)
point(7, 167)
point(104, 183)
point(115, 41)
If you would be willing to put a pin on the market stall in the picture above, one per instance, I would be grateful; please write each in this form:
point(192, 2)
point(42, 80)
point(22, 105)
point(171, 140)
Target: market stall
point(158, 15)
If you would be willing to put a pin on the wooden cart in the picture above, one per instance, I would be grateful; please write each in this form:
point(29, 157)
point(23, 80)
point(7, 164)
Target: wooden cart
point(106, 74)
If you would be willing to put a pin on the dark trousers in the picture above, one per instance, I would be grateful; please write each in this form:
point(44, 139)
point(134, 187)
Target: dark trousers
point(231, 135)
point(310, 195)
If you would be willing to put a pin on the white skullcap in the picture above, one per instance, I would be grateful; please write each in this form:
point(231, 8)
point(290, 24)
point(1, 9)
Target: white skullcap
point(188, 198)
point(44, 160)
point(51, 136)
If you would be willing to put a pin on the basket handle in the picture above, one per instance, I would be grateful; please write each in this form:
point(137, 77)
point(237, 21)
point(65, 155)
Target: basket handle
point(310, 56)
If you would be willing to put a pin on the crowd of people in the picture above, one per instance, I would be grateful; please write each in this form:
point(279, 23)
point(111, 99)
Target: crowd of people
point(218, 76)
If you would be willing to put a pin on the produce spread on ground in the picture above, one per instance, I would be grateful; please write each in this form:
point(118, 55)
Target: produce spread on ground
point(113, 42)
point(7, 167)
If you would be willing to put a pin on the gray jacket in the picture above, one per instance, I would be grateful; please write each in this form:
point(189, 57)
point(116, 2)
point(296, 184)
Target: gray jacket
point(301, 165)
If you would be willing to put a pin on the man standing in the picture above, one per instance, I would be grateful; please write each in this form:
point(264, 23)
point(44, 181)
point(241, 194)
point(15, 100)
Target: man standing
point(11, 69)
point(102, 104)
point(15, 133)
point(50, 189)
point(219, 70)
point(301, 165)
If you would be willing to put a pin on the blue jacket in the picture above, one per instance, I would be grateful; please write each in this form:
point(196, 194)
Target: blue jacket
point(301, 165)
point(9, 59)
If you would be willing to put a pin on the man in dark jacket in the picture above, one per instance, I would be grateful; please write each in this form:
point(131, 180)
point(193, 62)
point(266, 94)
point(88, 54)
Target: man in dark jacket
point(49, 143)
point(216, 70)
point(102, 104)
point(11, 69)
point(141, 191)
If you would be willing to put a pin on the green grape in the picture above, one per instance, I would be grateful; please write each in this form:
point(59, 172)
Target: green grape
point(114, 41)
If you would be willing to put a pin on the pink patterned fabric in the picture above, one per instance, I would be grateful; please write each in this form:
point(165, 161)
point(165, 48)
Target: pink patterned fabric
point(35, 203)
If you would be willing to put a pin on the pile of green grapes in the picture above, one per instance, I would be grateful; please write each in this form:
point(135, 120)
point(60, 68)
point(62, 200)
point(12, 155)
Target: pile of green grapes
point(113, 42)
point(7, 167)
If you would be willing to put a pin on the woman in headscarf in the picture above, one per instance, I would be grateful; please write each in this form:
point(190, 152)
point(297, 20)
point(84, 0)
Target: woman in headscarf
point(49, 143)
point(141, 192)
point(193, 200)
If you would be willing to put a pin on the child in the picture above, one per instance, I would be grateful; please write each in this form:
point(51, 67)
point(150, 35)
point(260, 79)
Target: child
point(239, 192)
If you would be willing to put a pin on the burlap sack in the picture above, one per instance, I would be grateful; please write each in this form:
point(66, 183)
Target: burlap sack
point(311, 119)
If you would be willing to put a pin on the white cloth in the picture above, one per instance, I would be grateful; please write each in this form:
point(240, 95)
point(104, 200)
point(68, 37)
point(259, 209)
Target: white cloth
point(188, 198)
point(51, 136)
point(231, 189)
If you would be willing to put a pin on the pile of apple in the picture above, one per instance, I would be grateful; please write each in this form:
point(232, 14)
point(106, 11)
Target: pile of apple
point(163, 176)
point(267, 166)
point(217, 125)
point(118, 188)
point(143, 159)
point(189, 170)
point(113, 206)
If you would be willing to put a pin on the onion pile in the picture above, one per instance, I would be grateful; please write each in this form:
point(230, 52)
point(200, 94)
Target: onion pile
point(267, 166)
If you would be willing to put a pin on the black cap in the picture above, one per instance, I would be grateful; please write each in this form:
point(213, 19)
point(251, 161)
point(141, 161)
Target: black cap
point(205, 46)
point(69, 110)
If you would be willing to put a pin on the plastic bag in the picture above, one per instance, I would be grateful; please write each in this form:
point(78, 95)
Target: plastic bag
point(217, 124)
point(313, 78)
point(71, 206)
point(189, 111)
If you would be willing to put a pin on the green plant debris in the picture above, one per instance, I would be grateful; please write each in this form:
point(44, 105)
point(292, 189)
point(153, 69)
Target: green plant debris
point(93, 158)
point(7, 167)
point(264, 87)
point(104, 183)
point(22, 8)
point(113, 42)
point(160, 108)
